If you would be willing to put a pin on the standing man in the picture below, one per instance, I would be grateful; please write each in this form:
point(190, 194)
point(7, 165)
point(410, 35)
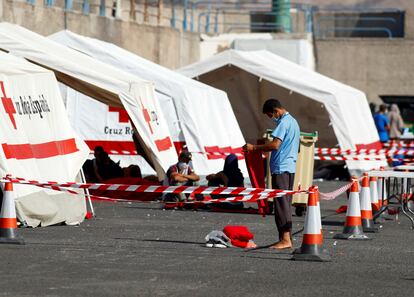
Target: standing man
point(284, 148)
point(382, 124)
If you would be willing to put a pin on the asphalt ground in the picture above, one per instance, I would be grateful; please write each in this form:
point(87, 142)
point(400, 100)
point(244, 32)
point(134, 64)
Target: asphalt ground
point(141, 250)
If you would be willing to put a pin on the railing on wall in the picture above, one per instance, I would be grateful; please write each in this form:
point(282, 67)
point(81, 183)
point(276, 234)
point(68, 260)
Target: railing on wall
point(212, 16)
point(188, 15)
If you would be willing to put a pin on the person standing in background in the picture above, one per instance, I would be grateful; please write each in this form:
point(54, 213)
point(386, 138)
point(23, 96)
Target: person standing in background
point(396, 122)
point(382, 124)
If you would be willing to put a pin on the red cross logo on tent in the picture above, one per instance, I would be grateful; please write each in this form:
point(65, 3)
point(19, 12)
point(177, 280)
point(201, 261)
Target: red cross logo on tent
point(122, 114)
point(8, 105)
point(147, 116)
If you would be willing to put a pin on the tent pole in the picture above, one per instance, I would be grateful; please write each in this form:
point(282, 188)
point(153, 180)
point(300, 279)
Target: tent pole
point(88, 197)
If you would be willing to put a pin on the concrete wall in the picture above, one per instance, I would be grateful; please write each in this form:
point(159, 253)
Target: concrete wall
point(163, 45)
point(375, 66)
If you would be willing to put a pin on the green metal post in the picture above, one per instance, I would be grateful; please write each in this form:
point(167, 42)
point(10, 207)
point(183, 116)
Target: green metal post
point(282, 10)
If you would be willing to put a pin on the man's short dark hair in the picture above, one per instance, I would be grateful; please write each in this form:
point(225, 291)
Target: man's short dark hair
point(383, 108)
point(98, 149)
point(271, 104)
point(185, 155)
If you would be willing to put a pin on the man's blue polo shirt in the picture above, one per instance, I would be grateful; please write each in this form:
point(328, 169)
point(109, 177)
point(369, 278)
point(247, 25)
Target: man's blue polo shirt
point(381, 121)
point(284, 159)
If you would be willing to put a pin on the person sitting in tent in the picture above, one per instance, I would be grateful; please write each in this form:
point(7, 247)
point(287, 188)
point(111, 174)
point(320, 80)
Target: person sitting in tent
point(132, 176)
point(107, 168)
point(180, 174)
point(90, 167)
point(101, 167)
point(132, 171)
point(230, 176)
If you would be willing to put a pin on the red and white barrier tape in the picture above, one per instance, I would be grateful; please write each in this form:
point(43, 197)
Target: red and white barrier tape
point(332, 195)
point(248, 195)
point(158, 189)
point(210, 155)
point(247, 198)
point(55, 188)
point(399, 144)
point(359, 158)
point(382, 152)
point(255, 193)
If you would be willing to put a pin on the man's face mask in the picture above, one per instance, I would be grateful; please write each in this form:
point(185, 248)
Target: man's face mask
point(182, 166)
point(275, 117)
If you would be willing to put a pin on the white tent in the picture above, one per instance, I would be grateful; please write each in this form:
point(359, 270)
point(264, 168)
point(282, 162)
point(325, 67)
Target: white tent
point(197, 114)
point(338, 112)
point(101, 82)
point(38, 143)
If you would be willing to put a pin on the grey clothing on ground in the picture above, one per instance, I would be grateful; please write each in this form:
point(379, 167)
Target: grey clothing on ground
point(218, 237)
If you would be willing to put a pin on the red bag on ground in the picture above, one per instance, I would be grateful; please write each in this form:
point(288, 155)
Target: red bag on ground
point(239, 235)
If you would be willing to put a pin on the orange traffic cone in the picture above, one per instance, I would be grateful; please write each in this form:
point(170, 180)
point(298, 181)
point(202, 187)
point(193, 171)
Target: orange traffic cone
point(353, 223)
point(8, 222)
point(311, 249)
point(366, 210)
point(373, 188)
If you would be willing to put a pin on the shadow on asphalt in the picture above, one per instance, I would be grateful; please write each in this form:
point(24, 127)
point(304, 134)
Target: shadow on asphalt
point(287, 257)
point(285, 253)
point(143, 207)
point(260, 247)
point(332, 223)
point(162, 240)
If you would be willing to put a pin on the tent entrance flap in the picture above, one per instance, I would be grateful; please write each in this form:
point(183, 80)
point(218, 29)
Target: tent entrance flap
point(247, 93)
